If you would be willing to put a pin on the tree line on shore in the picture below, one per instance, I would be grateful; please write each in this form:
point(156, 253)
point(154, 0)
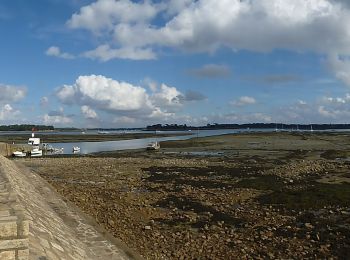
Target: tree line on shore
point(25, 127)
point(278, 126)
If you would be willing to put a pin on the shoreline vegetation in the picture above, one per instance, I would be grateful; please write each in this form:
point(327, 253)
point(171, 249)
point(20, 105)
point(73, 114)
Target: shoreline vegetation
point(250, 195)
point(184, 127)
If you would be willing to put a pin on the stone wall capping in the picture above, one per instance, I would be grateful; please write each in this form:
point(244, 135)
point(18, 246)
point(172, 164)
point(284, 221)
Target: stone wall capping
point(36, 223)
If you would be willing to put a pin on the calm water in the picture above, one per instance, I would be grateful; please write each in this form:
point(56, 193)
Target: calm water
point(93, 147)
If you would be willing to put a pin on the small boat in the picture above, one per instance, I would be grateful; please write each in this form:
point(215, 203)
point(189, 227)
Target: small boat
point(153, 146)
point(76, 149)
point(19, 154)
point(36, 152)
point(57, 150)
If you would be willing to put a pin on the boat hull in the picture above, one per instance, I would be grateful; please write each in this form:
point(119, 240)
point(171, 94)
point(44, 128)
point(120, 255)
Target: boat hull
point(19, 154)
point(36, 153)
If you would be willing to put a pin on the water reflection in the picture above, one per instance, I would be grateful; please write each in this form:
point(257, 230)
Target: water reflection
point(94, 147)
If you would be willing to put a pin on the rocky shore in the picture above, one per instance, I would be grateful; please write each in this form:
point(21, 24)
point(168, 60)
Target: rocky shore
point(262, 196)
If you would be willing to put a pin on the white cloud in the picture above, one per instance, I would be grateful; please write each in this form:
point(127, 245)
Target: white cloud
point(56, 52)
point(11, 93)
point(88, 112)
point(121, 98)
point(341, 67)
point(131, 30)
point(257, 25)
point(44, 101)
point(167, 97)
point(173, 7)
point(105, 53)
point(106, 94)
point(243, 101)
point(7, 112)
point(336, 100)
point(325, 109)
point(104, 14)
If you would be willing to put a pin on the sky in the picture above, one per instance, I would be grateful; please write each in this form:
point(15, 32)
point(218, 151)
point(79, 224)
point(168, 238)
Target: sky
point(132, 63)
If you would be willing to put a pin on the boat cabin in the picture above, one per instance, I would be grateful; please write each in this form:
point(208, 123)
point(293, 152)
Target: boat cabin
point(34, 141)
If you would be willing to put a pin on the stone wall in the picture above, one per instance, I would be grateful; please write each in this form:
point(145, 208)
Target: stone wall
point(14, 226)
point(5, 149)
point(48, 226)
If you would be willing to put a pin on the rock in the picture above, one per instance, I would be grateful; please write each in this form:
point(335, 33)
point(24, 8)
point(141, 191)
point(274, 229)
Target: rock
point(308, 225)
point(147, 227)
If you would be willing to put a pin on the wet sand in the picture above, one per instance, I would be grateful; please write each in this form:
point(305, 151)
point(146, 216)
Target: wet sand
point(265, 195)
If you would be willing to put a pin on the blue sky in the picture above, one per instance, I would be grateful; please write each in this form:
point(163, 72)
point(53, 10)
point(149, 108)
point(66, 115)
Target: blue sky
point(124, 63)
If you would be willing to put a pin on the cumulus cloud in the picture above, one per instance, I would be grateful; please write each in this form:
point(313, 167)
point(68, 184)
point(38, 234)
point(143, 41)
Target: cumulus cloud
point(243, 101)
point(256, 25)
point(167, 97)
point(7, 112)
point(88, 112)
point(211, 71)
point(124, 100)
point(105, 94)
point(104, 14)
point(56, 52)
point(129, 29)
point(12, 93)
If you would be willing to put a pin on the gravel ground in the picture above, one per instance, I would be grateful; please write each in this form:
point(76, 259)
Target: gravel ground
point(229, 197)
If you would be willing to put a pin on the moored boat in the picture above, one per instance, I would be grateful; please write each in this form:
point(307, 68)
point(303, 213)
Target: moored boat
point(153, 146)
point(19, 154)
point(36, 152)
point(76, 149)
point(35, 143)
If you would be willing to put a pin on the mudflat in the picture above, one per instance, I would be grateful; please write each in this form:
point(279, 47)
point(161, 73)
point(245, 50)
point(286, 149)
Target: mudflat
point(254, 195)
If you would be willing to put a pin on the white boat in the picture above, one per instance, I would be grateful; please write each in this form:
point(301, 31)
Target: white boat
point(35, 143)
point(36, 152)
point(57, 150)
point(19, 154)
point(153, 146)
point(76, 149)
